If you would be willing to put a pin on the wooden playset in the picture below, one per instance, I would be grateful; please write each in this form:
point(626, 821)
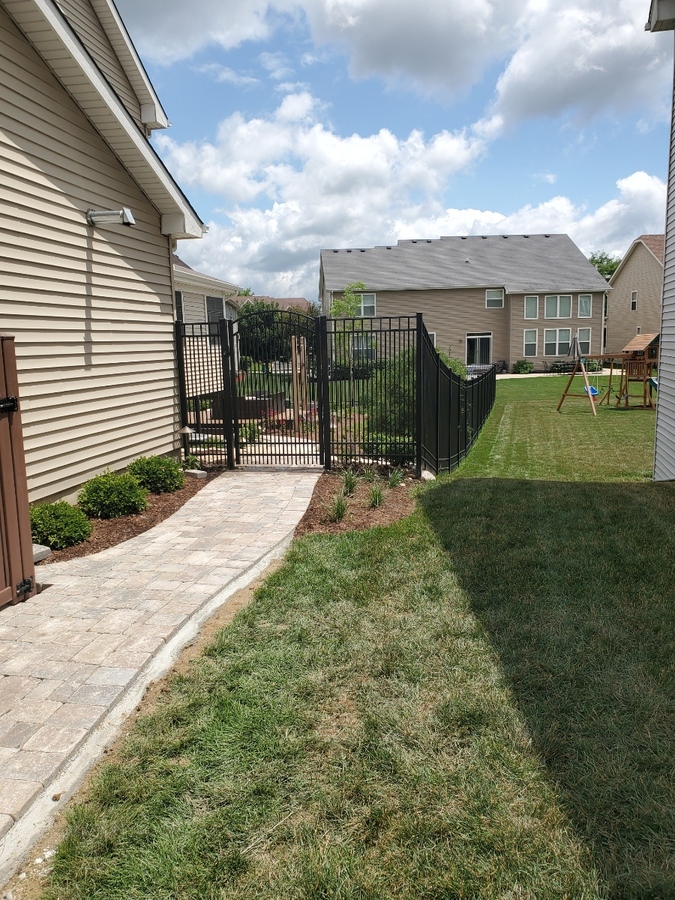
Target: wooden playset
point(639, 361)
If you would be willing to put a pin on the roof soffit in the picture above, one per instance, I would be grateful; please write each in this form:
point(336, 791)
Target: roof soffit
point(152, 112)
point(49, 33)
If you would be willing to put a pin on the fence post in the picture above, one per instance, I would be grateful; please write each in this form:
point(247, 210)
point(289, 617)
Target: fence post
point(419, 395)
point(325, 448)
point(179, 337)
point(227, 366)
point(17, 569)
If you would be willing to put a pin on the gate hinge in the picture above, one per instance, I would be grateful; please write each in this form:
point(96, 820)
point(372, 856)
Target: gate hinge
point(9, 404)
point(25, 587)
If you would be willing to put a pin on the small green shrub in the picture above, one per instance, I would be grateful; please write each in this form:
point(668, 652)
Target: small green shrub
point(523, 367)
point(349, 481)
point(190, 462)
point(249, 431)
point(157, 474)
point(109, 496)
point(397, 451)
point(58, 525)
point(337, 508)
point(395, 478)
point(376, 496)
point(369, 474)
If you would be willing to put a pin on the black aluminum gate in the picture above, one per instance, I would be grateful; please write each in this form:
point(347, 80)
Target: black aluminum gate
point(280, 388)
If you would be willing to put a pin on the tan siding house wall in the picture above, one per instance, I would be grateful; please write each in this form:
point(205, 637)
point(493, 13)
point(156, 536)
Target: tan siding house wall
point(519, 324)
point(91, 309)
point(455, 314)
point(451, 314)
point(643, 273)
point(194, 306)
point(85, 23)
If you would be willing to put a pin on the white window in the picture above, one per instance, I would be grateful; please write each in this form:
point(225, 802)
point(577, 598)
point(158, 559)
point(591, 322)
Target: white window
point(367, 308)
point(585, 306)
point(556, 341)
point(633, 300)
point(363, 347)
point(532, 307)
point(530, 342)
point(584, 338)
point(558, 306)
point(494, 299)
point(432, 337)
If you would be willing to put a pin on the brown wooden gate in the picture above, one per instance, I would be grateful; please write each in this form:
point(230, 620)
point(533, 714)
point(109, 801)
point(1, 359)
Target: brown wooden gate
point(17, 571)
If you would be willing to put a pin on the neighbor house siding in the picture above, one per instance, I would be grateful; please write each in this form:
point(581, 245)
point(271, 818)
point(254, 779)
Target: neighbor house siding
point(91, 309)
point(519, 324)
point(85, 23)
point(451, 315)
point(643, 273)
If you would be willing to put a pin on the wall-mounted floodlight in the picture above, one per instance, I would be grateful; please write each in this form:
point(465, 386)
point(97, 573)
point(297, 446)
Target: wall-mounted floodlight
point(122, 216)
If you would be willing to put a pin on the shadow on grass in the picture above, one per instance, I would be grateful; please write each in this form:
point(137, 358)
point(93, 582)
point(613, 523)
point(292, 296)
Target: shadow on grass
point(574, 584)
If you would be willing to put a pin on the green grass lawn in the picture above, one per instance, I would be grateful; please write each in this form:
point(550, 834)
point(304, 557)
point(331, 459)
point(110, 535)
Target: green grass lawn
point(477, 702)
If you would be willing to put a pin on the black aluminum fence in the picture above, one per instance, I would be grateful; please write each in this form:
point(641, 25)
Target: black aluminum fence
point(281, 388)
point(450, 410)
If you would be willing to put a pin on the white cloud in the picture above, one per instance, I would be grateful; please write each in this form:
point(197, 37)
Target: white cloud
point(226, 75)
point(558, 56)
point(585, 58)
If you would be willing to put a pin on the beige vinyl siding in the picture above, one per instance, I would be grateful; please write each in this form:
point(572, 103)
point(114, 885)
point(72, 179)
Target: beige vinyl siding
point(83, 20)
point(519, 324)
point(91, 309)
point(194, 307)
point(643, 273)
point(452, 314)
point(664, 455)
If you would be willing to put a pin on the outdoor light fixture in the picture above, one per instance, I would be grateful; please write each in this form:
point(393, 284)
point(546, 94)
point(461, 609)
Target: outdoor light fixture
point(122, 216)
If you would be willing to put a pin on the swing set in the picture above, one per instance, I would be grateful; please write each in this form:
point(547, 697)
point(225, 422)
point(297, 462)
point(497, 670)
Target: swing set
point(639, 365)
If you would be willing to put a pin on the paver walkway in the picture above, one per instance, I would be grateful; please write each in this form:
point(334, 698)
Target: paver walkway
point(75, 659)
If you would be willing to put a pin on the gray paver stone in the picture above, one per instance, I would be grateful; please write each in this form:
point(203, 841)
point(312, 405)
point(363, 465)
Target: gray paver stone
point(16, 795)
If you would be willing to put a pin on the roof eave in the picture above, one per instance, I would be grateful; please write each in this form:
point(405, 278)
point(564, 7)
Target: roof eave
point(49, 33)
point(661, 16)
point(152, 112)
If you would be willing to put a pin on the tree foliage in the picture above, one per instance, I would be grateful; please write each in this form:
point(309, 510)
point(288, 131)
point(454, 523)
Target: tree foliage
point(604, 263)
point(348, 305)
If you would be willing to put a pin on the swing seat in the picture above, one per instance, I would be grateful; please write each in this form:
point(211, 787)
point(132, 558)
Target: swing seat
point(593, 391)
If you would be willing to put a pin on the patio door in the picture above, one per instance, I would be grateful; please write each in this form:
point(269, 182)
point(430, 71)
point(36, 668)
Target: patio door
point(479, 349)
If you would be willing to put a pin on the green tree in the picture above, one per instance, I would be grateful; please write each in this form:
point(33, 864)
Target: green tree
point(604, 263)
point(347, 306)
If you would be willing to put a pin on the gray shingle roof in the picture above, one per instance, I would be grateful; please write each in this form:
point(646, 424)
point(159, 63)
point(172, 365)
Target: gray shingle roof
point(519, 263)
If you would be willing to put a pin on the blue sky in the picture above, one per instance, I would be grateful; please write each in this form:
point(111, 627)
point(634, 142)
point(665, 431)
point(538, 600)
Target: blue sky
point(299, 125)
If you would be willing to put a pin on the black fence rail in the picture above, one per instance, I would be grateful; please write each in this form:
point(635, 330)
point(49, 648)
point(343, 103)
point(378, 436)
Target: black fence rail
point(450, 410)
point(281, 388)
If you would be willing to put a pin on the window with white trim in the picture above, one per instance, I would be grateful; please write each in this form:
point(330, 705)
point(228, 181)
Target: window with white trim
point(532, 307)
point(558, 306)
point(585, 306)
point(363, 347)
point(530, 342)
point(367, 308)
point(494, 299)
point(557, 341)
point(633, 300)
point(584, 339)
point(638, 330)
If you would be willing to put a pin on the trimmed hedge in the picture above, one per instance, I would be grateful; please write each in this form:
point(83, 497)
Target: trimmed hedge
point(58, 525)
point(109, 496)
point(157, 474)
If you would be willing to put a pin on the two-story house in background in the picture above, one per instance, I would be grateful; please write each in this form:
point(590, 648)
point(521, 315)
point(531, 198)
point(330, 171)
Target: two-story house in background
point(483, 298)
point(637, 287)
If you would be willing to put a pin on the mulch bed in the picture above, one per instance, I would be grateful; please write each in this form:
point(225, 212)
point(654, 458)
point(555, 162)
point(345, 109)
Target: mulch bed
point(397, 503)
